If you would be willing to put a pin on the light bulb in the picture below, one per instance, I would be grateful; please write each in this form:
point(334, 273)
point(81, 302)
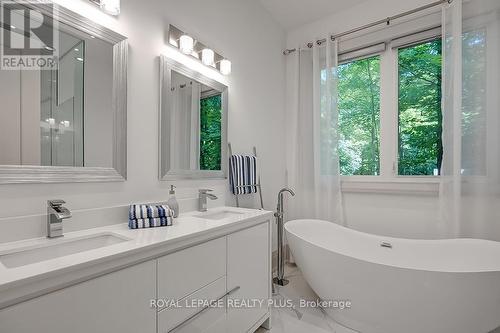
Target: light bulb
point(111, 7)
point(186, 44)
point(225, 67)
point(207, 57)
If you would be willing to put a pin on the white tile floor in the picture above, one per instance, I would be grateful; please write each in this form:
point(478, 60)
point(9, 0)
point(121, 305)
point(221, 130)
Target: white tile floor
point(304, 320)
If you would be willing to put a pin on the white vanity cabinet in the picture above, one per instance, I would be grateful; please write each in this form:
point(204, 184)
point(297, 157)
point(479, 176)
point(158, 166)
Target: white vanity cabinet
point(249, 274)
point(115, 303)
point(183, 272)
point(234, 269)
point(229, 265)
point(196, 273)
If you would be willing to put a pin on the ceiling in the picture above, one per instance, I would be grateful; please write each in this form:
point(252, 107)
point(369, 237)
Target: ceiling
point(293, 13)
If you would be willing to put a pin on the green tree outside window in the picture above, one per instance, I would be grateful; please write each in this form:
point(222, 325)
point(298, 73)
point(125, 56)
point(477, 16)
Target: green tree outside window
point(210, 132)
point(359, 117)
point(420, 118)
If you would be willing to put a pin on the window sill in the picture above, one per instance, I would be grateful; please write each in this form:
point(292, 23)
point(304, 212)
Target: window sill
point(397, 185)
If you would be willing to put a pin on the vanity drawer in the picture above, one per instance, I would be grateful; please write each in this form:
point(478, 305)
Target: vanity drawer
point(181, 273)
point(190, 317)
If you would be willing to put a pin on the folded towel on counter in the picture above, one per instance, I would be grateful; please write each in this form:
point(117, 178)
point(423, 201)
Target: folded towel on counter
point(150, 216)
point(150, 222)
point(137, 212)
point(243, 174)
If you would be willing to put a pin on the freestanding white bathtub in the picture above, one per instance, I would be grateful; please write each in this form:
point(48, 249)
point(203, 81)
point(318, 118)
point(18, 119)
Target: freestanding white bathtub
point(417, 286)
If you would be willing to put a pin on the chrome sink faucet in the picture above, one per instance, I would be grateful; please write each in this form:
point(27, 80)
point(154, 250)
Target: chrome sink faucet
point(56, 213)
point(202, 199)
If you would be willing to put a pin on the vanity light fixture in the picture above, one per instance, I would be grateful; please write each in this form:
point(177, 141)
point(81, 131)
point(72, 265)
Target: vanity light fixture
point(111, 7)
point(186, 44)
point(192, 47)
point(207, 57)
point(225, 67)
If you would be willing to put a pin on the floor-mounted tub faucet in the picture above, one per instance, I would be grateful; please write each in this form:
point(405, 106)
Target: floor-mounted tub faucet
point(56, 213)
point(280, 280)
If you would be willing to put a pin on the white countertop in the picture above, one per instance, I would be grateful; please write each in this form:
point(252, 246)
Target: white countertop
point(41, 277)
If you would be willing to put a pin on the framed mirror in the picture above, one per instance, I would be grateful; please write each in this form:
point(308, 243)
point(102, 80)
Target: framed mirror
point(193, 123)
point(65, 119)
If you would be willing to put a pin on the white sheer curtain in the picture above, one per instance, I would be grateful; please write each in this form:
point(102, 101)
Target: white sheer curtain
point(312, 135)
point(470, 187)
point(194, 147)
point(185, 126)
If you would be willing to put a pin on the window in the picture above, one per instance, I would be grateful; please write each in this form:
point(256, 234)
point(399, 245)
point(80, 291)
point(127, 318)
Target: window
point(359, 117)
point(389, 102)
point(210, 132)
point(420, 119)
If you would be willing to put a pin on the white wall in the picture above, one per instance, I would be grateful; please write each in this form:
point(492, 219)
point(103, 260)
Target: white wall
point(239, 29)
point(403, 214)
point(397, 215)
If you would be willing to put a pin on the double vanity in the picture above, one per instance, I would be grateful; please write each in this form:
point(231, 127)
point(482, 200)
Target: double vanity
point(199, 275)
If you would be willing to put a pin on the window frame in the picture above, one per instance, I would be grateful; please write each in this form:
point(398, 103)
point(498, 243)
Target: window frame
point(389, 180)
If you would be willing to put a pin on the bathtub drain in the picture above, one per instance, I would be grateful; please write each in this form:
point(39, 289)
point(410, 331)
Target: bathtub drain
point(386, 244)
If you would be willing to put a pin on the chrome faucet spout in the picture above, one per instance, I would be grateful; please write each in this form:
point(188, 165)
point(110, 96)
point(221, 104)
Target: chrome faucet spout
point(211, 196)
point(279, 208)
point(56, 213)
point(286, 189)
point(202, 199)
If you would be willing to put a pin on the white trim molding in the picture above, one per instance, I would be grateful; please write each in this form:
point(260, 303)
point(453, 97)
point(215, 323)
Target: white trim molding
point(425, 185)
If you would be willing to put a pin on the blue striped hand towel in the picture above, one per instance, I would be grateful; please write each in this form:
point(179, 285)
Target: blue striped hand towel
point(150, 222)
point(149, 216)
point(243, 174)
point(148, 211)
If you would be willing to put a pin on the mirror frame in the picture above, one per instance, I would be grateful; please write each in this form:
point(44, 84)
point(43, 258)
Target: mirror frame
point(18, 174)
point(167, 65)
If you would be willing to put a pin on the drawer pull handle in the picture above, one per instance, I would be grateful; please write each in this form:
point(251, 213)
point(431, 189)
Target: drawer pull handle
point(205, 308)
point(232, 291)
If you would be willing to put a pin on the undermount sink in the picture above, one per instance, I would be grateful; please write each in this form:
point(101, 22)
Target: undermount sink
point(58, 248)
point(220, 215)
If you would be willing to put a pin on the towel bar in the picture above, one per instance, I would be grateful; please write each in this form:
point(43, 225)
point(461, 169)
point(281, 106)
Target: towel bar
point(258, 185)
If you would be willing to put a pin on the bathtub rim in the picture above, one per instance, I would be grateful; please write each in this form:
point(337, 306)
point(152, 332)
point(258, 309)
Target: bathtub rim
point(290, 223)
